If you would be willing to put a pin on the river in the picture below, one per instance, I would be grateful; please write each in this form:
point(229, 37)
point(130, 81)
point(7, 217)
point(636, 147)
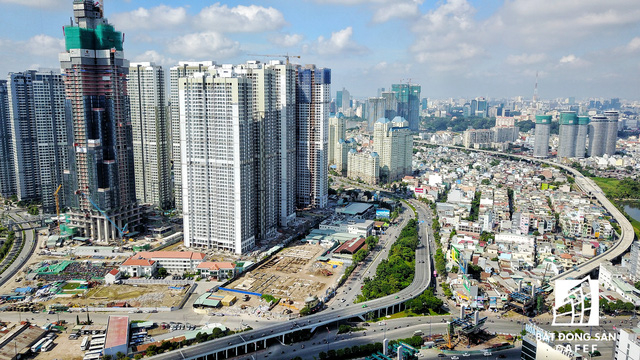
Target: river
point(633, 210)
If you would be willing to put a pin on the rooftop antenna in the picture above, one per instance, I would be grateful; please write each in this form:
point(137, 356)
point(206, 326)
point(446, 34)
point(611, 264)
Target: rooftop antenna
point(535, 89)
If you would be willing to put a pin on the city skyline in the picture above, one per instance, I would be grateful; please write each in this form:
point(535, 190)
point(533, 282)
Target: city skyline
point(454, 48)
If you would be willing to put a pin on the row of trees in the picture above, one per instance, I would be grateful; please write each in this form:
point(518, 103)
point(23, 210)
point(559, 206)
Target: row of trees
point(351, 352)
point(396, 272)
point(6, 247)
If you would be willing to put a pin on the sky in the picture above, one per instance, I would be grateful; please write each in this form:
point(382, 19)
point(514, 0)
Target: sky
point(452, 48)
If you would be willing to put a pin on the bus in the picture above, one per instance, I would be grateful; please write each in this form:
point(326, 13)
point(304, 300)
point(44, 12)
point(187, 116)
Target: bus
point(36, 347)
point(94, 352)
point(97, 341)
point(92, 357)
point(96, 348)
point(418, 333)
point(98, 336)
point(47, 345)
point(85, 343)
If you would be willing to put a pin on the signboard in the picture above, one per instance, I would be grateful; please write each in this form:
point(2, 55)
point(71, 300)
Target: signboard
point(383, 213)
point(419, 190)
point(455, 254)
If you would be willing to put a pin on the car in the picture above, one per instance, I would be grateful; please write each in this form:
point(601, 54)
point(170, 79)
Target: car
point(466, 354)
point(364, 306)
point(454, 358)
point(487, 353)
point(442, 355)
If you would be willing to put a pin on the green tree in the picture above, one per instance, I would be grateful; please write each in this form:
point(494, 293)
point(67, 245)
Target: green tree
point(120, 355)
point(162, 272)
point(485, 182)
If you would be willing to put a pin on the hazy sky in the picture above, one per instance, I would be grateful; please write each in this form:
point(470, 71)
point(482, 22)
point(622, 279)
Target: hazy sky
point(454, 48)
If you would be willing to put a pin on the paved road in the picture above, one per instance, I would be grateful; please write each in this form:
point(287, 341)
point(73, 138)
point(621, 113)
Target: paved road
point(27, 250)
point(588, 186)
point(420, 282)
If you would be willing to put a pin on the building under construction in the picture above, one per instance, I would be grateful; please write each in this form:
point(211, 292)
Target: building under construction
point(465, 328)
point(99, 184)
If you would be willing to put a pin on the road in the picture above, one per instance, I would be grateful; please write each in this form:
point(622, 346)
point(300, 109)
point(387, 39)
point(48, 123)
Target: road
point(421, 281)
point(588, 186)
point(27, 250)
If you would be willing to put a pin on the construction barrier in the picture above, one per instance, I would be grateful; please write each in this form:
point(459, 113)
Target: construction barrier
point(240, 291)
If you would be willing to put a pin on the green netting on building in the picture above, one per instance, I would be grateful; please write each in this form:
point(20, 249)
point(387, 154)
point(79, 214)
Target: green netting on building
point(102, 38)
point(54, 268)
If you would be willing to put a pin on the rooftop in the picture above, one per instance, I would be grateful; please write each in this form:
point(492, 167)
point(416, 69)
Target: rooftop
point(117, 331)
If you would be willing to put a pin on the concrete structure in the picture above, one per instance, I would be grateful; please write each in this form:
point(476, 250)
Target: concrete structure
point(478, 138)
point(218, 161)
point(101, 163)
point(363, 166)
point(390, 105)
point(112, 277)
point(350, 226)
point(568, 138)
point(218, 270)
point(542, 133)
point(183, 69)
point(408, 96)
point(505, 134)
point(612, 132)
point(176, 262)
point(150, 130)
point(138, 267)
point(341, 155)
point(598, 129)
point(337, 132)
point(376, 107)
point(393, 142)
point(581, 136)
point(505, 121)
point(627, 344)
point(39, 135)
point(117, 339)
point(313, 98)
point(7, 175)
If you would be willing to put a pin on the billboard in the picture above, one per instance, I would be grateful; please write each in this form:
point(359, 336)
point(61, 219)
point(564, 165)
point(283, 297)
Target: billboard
point(383, 213)
point(455, 254)
point(419, 190)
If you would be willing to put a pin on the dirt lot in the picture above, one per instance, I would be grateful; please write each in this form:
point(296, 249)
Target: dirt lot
point(292, 274)
point(65, 349)
point(135, 296)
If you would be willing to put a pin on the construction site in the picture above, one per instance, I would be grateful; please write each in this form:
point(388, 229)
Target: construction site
point(293, 275)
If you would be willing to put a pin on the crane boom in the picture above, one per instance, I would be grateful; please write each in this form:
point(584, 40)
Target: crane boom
point(55, 194)
point(121, 231)
point(287, 56)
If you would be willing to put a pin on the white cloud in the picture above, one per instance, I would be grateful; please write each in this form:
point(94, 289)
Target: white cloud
point(158, 17)
point(49, 4)
point(572, 60)
point(44, 45)
point(568, 59)
point(253, 18)
point(154, 57)
point(526, 59)
point(448, 37)
point(340, 42)
point(397, 10)
point(633, 45)
point(287, 40)
point(204, 44)
point(38, 51)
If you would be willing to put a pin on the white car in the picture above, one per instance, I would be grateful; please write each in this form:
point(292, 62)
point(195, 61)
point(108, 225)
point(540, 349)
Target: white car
point(455, 358)
point(466, 354)
point(487, 353)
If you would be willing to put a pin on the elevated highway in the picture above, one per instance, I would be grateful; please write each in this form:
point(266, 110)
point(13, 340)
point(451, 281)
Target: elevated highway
point(250, 341)
point(589, 187)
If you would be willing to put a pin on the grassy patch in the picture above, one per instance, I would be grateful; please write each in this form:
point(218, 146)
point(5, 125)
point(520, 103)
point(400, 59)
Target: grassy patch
point(405, 313)
point(117, 293)
point(608, 185)
point(70, 286)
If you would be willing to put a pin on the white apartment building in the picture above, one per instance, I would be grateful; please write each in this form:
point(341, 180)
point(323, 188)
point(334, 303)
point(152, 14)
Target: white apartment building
point(363, 166)
point(176, 262)
point(183, 69)
point(150, 130)
point(337, 132)
point(627, 345)
point(393, 142)
point(218, 160)
point(38, 134)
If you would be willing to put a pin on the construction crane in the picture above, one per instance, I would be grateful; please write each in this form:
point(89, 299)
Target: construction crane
point(55, 194)
point(287, 56)
point(121, 231)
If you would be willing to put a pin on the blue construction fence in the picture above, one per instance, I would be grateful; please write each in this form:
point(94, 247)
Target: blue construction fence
point(240, 291)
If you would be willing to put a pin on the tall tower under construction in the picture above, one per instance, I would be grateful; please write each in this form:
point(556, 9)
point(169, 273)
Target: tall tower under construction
point(543, 129)
point(99, 183)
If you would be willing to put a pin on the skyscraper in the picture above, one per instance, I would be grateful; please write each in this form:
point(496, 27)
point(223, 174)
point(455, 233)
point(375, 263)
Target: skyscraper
point(393, 142)
point(313, 97)
point(337, 132)
point(408, 97)
point(183, 69)
point(581, 136)
point(612, 132)
point(390, 105)
point(101, 172)
point(218, 161)
point(375, 110)
point(150, 129)
point(7, 175)
point(543, 129)
point(38, 133)
point(568, 134)
point(598, 129)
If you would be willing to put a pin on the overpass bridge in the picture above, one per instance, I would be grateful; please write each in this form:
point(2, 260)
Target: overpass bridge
point(589, 187)
point(254, 340)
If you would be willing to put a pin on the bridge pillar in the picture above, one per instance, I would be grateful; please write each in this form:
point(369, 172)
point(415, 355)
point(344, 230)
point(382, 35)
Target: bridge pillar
point(283, 338)
point(265, 343)
point(246, 348)
point(226, 353)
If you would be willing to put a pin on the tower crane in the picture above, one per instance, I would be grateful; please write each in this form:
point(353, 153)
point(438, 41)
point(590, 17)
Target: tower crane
point(121, 231)
point(55, 194)
point(287, 56)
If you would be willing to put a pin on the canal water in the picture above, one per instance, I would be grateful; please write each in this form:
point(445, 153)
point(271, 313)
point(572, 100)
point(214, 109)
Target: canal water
point(633, 209)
